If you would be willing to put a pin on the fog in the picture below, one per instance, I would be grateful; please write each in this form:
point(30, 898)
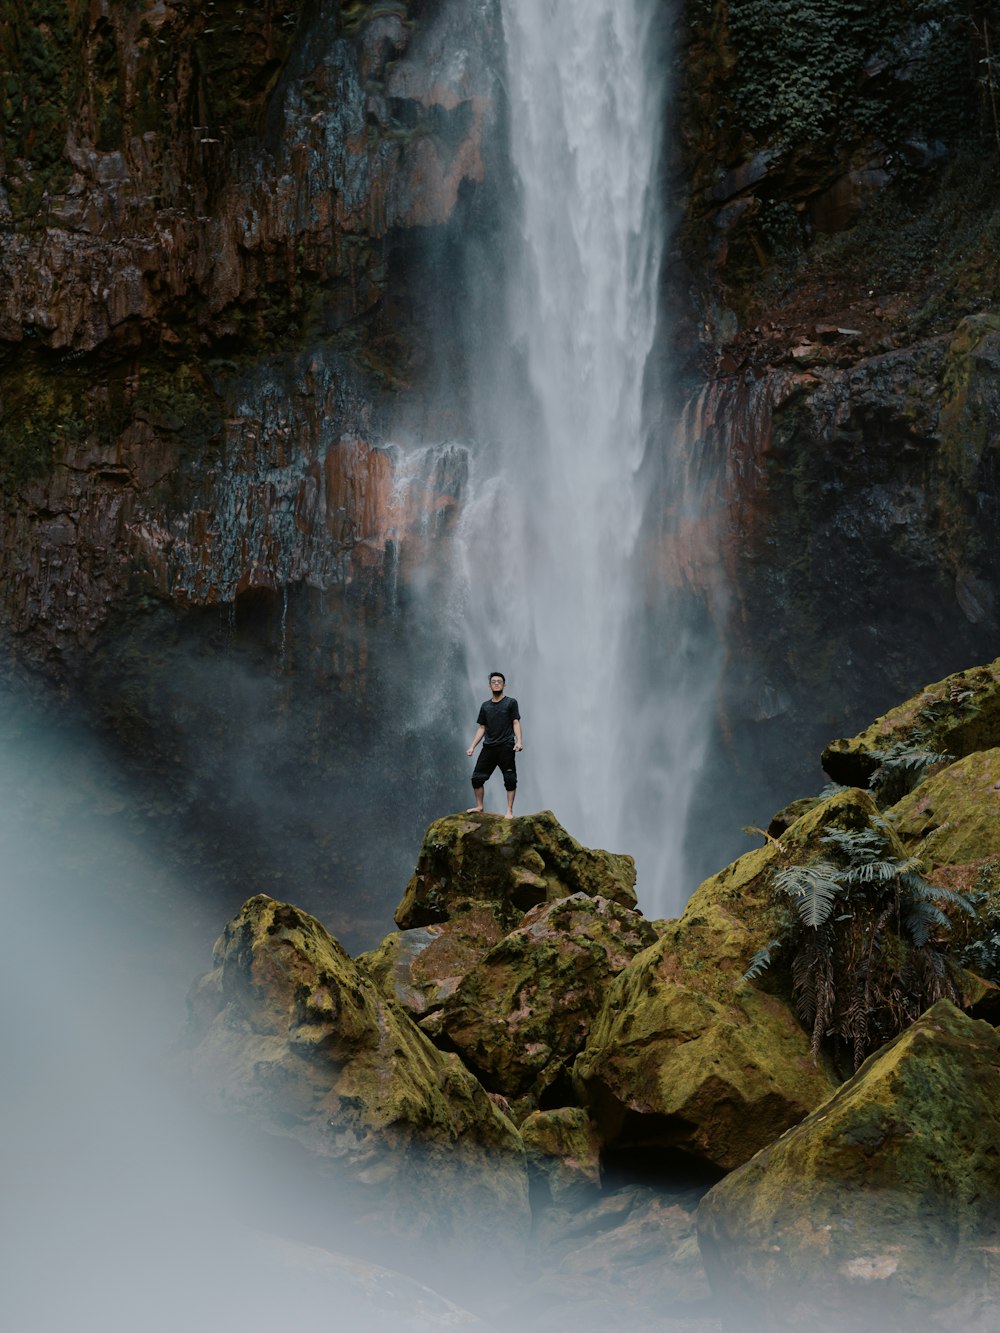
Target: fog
point(122, 1208)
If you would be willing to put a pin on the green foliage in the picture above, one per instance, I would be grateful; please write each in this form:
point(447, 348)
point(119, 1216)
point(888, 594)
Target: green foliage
point(807, 70)
point(812, 888)
point(761, 961)
point(900, 768)
point(859, 977)
point(982, 955)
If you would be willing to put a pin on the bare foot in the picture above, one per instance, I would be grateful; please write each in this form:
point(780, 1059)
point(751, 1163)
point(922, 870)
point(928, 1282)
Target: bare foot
point(475, 810)
point(509, 814)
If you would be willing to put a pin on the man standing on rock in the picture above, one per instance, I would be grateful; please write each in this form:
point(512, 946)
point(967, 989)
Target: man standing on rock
point(500, 731)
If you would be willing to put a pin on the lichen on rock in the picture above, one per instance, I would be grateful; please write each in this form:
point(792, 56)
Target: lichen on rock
point(953, 816)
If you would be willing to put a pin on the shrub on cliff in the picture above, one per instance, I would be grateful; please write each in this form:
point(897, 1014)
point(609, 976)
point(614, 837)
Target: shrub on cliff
point(863, 942)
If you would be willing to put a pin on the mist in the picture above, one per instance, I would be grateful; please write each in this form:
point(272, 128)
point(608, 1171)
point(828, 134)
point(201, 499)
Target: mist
point(124, 1207)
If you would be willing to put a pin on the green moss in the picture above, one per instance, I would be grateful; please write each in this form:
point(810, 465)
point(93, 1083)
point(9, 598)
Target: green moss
point(801, 68)
point(954, 716)
point(469, 859)
point(953, 817)
point(41, 58)
point(887, 1175)
point(40, 414)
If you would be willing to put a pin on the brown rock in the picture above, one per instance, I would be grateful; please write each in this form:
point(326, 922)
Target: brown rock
point(526, 1007)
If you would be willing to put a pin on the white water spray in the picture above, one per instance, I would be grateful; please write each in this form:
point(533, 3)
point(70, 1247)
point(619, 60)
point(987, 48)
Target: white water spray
point(551, 541)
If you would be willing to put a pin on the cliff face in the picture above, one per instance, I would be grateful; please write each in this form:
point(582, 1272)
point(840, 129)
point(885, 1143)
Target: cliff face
point(223, 230)
point(208, 213)
point(837, 263)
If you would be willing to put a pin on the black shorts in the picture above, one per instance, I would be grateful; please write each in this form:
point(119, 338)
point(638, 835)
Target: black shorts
point(496, 756)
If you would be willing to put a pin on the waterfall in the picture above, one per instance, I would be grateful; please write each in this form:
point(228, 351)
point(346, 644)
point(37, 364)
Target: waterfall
point(558, 531)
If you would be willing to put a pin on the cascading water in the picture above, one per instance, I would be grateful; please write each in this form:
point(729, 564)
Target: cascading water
point(559, 525)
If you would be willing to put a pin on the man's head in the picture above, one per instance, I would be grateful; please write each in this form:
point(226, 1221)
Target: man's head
point(497, 681)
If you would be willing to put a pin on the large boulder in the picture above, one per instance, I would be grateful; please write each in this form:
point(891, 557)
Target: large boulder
point(509, 865)
point(952, 822)
point(564, 1155)
point(422, 967)
point(953, 817)
point(954, 717)
point(289, 1032)
point(688, 1056)
point(880, 1209)
point(526, 1007)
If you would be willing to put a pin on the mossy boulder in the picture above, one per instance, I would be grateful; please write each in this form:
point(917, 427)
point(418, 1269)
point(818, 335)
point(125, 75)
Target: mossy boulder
point(953, 817)
point(305, 1044)
point(954, 717)
point(511, 865)
point(879, 1209)
point(526, 1007)
point(686, 1055)
point(421, 967)
point(564, 1154)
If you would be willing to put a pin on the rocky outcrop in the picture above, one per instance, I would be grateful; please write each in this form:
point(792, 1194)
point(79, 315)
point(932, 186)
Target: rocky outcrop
point(291, 1036)
point(950, 719)
point(196, 267)
point(508, 866)
point(291, 1033)
point(524, 1010)
point(688, 1056)
point(880, 1207)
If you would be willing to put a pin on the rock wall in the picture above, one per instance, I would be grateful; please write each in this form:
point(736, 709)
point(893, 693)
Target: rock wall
point(836, 263)
point(209, 218)
point(227, 252)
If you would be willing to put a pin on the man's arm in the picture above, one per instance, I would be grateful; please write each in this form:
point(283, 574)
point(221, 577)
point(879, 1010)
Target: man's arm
point(480, 733)
point(517, 733)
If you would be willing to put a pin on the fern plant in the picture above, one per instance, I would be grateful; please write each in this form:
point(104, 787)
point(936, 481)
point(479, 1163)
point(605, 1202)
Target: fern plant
point(900, 768)
point(864, 957)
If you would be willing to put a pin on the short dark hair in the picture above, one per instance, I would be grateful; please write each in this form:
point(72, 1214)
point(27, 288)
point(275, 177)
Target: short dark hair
point(500, 674)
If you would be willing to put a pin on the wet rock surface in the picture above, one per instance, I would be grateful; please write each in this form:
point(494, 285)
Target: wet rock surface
point(195, 325)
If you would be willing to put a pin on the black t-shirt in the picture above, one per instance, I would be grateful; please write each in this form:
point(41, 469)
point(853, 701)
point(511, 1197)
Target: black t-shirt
point(498, 719)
